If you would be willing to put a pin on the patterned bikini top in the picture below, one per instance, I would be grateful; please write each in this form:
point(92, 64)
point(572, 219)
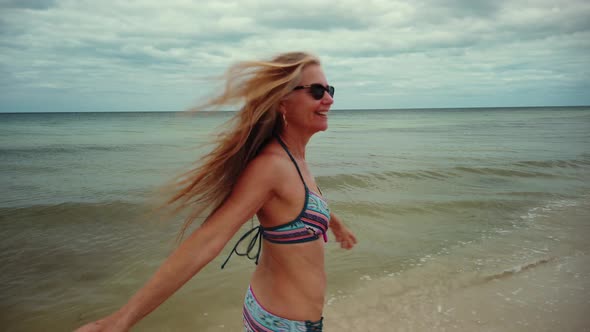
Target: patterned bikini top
point(311, 223)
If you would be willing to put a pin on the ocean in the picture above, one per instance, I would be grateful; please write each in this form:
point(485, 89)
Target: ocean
point(467, 219)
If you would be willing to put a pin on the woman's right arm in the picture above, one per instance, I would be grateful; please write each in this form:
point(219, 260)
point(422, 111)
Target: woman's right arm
point(253, 188)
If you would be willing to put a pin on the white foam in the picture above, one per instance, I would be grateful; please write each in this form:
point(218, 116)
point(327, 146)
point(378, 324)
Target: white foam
point(548, 207)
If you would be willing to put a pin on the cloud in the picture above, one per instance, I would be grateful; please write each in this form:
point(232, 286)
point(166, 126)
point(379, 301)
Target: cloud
point(27, 4)
point(120, 55)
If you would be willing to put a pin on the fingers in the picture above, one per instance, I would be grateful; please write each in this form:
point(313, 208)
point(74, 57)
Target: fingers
point(346, 238)
point(351, 241)
point(90, 327)
point(348, 243)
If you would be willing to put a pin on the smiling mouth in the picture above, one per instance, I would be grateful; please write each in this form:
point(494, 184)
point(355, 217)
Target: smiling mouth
point(322, 113)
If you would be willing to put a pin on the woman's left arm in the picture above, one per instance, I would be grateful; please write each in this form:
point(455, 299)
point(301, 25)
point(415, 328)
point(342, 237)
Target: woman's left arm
point(342, 233)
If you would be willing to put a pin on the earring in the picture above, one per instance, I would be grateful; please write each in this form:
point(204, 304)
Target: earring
point(285, 120)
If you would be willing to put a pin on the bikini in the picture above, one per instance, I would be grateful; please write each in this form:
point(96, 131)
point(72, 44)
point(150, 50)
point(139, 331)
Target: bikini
point(258, 319)
point(311, 223)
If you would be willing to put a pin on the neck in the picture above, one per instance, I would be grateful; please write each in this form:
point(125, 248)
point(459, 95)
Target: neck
point(296, 142)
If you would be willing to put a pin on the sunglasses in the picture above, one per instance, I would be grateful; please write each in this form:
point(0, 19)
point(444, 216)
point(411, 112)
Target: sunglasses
point(317, 90)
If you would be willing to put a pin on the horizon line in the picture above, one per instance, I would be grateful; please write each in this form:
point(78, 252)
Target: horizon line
point(334, 110)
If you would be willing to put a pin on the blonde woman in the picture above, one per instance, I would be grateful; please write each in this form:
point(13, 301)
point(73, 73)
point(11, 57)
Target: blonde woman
point(258, 167)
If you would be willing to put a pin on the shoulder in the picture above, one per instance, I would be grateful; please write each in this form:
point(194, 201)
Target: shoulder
point(268, 166)
point(269, 161)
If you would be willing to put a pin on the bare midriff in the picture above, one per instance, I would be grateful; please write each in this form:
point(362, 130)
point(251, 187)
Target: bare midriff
point(290, 280)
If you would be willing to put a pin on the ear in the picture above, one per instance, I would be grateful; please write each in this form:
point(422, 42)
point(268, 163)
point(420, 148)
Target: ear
point(283, 107)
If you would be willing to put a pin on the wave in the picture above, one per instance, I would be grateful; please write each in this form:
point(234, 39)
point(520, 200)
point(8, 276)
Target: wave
point(427, 207)
point(517, 269)
point(31, 168)
point(555, 163)
point(72, 213)
point(72, 149)
point(537, 194)
point(520, 169)
point(453, 207)
point(366, 179)
point(504, 172)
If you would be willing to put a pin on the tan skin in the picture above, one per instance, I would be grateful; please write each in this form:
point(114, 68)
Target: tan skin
point(270, 188)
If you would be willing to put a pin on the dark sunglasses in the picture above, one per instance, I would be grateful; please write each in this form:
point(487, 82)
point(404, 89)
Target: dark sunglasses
point(317, 90)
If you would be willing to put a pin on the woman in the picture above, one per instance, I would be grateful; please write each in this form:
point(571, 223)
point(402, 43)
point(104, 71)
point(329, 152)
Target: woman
point(258, 167)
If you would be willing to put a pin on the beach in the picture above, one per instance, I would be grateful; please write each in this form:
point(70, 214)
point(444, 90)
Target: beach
point(472, 287)
point(467, 219)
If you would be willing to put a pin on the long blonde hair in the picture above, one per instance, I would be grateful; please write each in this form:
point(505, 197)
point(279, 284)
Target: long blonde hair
point(260, 86)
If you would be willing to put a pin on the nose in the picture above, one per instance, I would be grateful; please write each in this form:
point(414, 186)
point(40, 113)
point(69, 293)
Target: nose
point(327, 99)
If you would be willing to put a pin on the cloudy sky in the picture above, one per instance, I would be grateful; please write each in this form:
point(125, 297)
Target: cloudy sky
point(153, 55)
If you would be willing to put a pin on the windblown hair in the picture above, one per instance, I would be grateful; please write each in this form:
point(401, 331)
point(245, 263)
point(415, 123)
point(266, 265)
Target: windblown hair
point(259, 86)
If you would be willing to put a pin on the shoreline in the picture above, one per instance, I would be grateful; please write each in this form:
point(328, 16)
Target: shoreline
point(549, 297)
point(538, 284)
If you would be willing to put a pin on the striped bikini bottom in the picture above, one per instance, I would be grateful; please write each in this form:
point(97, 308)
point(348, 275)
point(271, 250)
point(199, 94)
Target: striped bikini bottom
point(257, 319)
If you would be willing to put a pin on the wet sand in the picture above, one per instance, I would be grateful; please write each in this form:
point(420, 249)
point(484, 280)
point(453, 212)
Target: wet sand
point(547, 287)
point(552, 296)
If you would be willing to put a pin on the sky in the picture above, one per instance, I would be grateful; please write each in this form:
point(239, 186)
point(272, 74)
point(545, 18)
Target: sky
point(153, 55)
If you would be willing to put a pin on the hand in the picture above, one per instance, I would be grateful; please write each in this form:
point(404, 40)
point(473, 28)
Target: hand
point(96, 326)
point(343, 234)
point(109, 323)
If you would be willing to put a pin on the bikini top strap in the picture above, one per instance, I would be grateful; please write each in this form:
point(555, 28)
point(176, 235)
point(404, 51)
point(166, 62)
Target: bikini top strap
point(292, 159)
point(256, 239)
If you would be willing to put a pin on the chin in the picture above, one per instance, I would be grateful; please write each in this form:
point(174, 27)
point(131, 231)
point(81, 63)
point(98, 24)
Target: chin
point(317, 126)
point(321, 128)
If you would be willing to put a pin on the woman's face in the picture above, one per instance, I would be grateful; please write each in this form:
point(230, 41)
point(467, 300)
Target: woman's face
point(302, 110)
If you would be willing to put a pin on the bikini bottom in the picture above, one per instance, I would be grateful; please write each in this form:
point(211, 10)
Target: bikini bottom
point(257, 319)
